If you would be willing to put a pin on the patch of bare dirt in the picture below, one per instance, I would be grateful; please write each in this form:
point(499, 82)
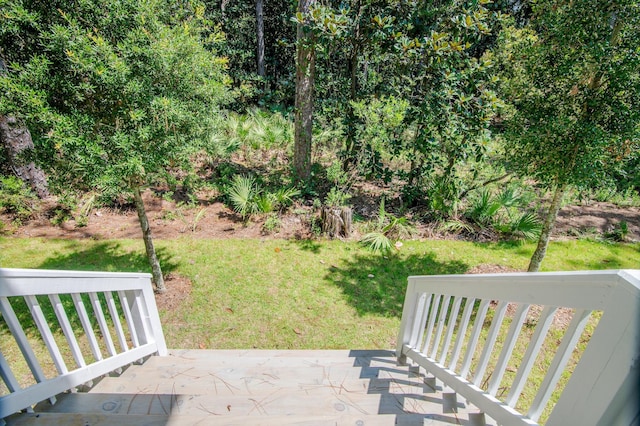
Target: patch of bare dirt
point(178, 290)
point(598, 218)
point(214, 220)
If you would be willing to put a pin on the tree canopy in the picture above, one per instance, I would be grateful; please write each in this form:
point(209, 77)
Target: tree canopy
point(118, 92)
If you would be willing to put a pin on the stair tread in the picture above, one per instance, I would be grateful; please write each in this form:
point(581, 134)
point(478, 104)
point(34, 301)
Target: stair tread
point(217, 385)
point(318, 401)
point(55, 419)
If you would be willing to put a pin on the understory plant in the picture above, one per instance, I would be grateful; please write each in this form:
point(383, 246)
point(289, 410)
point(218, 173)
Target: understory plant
point(248, 198)
point(503, 213)
point(16, 199)
point(388, 230)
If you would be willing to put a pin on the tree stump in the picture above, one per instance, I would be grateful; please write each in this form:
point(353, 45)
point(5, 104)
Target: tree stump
point(336, 221)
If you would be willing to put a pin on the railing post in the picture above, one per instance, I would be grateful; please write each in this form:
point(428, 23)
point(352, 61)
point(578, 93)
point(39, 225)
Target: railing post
point(603, 388)
point(409, 317)
point(152, 316)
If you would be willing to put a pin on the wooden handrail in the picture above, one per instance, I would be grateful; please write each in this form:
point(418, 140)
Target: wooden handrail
point(444, 329)
point(122, 304)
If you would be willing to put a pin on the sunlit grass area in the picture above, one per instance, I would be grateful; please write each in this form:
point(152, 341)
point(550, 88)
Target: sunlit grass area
point(297, 294)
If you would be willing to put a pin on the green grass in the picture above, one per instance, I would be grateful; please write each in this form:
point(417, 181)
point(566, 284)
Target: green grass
point(297, 294)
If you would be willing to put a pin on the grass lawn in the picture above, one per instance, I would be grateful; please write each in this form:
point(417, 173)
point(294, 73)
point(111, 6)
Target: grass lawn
point(297, 294)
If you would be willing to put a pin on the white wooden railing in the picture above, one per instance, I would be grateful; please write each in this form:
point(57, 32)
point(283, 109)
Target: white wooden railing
point(445, 329)
point(102, 305)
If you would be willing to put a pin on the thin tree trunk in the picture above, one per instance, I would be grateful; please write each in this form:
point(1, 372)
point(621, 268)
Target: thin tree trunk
point(547, 228)
point(156, 272)
point(18, 145)
point(260, 36)
point(305, 74)
point(353, 93)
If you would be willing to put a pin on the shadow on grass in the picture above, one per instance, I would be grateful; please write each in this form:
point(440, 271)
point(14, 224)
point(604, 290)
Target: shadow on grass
point(376, 285)
point(308, 245)
point(104, 256)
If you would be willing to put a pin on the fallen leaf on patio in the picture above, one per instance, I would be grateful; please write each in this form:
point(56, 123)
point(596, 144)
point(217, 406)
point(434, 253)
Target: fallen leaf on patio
point(277, 249)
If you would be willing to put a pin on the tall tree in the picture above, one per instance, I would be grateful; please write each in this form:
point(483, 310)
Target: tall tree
point(114, 93)
point(305, 80)
point(260, 37)
point(573, 76)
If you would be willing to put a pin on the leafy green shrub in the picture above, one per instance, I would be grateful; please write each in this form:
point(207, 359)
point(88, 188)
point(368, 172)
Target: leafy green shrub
point(619, 233)
point(17, 199)
point(272, 224)
point(336, 198)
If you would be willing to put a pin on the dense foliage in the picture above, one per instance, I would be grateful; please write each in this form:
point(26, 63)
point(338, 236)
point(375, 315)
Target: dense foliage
point(447, 106)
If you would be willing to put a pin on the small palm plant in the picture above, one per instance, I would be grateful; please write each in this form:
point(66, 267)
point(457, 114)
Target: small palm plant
point(388, 228)
point(242, 194)
point(247, 198)
point(502, 213)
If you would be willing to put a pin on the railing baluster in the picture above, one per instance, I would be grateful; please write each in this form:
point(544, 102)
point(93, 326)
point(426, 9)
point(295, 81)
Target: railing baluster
point(453, 318)
point(65, 325)
point(569, 341)
point(494, 330)
point(130, 322)
point(9, 316)
point(102, 322)
point(86, 325)
point(544, 322)
point(442, 318)
point(115, 317)
point(432, 319)
point(462, 332)
point(507, 349)
point(45, 332)
point(7, 375)
point(421, 320)
point(475, 334)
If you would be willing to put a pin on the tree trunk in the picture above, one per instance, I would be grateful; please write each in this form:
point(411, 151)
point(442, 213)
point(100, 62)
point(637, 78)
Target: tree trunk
point(353, 93)
point(18, 146)
point(156, 272)
point(260, 36)
point(547, 228)
point(305, 74)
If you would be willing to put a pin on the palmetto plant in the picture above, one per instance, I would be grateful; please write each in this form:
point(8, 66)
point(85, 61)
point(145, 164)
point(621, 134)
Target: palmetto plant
point(247, 198)
point(242, 194)
point(388, 228)
point(503, 213)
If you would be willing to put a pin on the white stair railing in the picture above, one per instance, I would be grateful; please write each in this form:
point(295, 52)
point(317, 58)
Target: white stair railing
point(88, 309)
point(463, 329)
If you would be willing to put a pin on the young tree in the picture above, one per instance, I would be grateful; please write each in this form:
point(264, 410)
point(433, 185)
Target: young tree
point(114, 93)
point(305, 80)
point(573, 77)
